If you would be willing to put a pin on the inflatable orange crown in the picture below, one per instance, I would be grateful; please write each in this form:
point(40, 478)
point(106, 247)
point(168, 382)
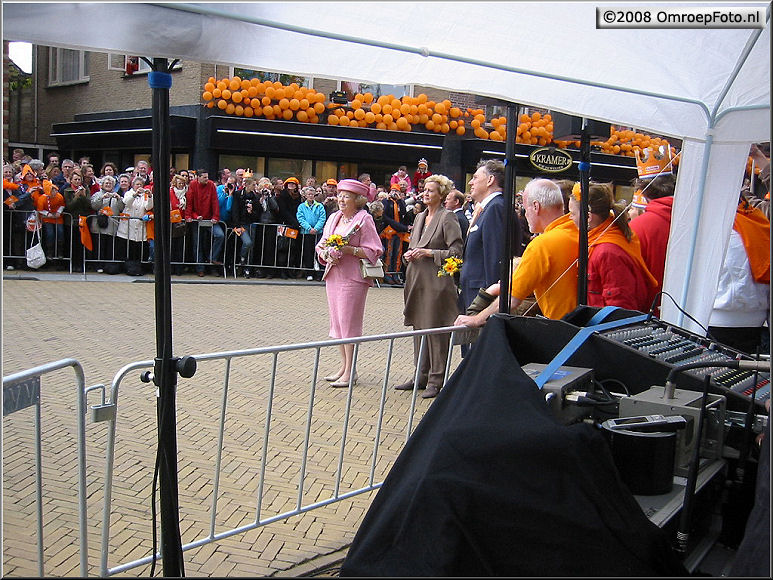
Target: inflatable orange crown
point(653, 162)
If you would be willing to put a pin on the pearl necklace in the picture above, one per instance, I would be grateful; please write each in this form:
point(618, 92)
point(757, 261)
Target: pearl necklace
point(346, 220)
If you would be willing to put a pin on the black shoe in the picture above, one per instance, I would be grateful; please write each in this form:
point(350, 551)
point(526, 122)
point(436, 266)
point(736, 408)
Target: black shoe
point(259, 273)
point(388, 280)
point(247, 273)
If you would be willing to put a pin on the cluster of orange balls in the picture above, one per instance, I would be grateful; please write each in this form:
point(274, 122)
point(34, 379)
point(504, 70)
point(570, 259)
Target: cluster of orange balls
point(256, 98)
point(390, 113)
point(273, 100)
point(624, 142)
point(534, 129)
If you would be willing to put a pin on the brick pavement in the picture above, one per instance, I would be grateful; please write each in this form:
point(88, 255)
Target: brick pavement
point(106, 323)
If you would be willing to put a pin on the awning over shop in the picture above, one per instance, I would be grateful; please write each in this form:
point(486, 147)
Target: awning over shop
point(122, 133)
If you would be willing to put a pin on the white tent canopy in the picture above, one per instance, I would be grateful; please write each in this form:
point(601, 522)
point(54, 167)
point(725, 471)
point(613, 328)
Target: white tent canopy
point(708, 87)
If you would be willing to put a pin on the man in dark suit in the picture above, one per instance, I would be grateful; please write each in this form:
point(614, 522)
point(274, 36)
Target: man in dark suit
point(486, 235)
point(454, 202)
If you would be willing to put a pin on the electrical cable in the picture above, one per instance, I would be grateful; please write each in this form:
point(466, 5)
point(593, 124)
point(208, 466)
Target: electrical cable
point(621, 383)
point(687, 314)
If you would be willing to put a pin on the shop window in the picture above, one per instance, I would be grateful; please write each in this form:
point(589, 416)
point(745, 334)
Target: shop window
point(67, 67)
point(284, 168)
point(377, 90)
point(234, 162)
point(325, 170)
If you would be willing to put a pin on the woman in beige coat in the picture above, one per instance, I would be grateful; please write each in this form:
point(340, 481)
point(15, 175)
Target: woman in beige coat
point(431, 300)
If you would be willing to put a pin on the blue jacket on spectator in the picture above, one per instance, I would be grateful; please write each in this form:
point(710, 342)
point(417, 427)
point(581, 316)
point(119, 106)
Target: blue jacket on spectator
point(225, 201)
point(311, 216)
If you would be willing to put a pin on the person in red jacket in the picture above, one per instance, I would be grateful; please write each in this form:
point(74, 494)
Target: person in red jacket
point(653, 227)
point(203, 208)
point(617, 274)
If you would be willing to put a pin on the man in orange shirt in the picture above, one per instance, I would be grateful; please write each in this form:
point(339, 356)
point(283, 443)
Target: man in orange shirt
point(548, 267)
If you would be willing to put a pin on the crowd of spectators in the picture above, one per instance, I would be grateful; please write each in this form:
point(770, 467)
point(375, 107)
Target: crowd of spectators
point(262, 227)
point(265, 227)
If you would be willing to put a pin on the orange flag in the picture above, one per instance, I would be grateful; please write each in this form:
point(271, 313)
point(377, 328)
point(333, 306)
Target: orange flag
point(83, 225)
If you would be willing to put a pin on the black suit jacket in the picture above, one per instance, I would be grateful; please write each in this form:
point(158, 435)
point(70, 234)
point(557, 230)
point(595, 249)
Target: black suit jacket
point(464, 223)
point(483, 251)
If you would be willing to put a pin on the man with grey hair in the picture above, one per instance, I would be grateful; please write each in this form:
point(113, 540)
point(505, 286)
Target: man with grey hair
point(548, 267)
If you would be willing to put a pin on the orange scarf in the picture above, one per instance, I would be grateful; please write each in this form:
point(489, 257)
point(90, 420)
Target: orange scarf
point(83, 225)
point(754, 229)
point(615, 236)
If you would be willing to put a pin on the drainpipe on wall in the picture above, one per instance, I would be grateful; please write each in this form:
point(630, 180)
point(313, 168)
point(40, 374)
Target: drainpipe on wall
point(35, 95)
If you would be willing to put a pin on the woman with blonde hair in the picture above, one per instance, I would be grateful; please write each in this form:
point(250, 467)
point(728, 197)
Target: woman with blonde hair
point(430, 298)
point(617, 274)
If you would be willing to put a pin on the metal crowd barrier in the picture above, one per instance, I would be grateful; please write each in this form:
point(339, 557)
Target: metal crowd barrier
point(17, 239)
point(299, 508)
point(21, 391)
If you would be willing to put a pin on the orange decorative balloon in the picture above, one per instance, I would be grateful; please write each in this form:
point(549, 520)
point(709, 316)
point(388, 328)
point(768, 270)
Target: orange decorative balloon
point(332, 120)
point(287, 114)
point(221, 104)
point(370, 117)
point(302, 116)
point(210, 104)
point(230, 108)
point(206, 95)
point(226, 94)
point(236, 97)
point(376, 108)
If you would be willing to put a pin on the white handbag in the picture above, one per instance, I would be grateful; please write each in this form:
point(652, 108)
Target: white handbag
point(36, 257)
point(371, 271)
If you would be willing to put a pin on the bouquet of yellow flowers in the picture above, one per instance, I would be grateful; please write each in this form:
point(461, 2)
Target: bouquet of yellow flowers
point(450, 267)
point(334, 243)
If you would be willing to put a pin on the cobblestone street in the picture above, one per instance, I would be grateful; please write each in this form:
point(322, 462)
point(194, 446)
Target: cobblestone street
point(108, 322)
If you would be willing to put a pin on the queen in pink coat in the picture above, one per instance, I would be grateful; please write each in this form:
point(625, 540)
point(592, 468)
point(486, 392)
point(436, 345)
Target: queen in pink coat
point(346, 289)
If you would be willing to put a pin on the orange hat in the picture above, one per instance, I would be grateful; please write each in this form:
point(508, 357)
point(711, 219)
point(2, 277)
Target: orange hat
point(292, 180)
point(331, 182)
point(395, 186)
point(639, 201)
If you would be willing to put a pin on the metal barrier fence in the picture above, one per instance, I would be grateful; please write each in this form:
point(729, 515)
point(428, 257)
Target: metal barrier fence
point(21, 391)
point(17, 238)
point(270, 252)
point(303, 452)
point(274, 352)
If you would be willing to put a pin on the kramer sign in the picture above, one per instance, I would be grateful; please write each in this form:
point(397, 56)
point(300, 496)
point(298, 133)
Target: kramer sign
point(550, 159)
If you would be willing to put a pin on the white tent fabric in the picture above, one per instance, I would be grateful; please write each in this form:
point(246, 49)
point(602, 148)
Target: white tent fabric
point(709, 87)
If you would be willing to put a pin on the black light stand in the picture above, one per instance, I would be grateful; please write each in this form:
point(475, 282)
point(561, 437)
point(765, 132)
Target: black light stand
point(510, 223)
point(582, 256)
point(166, 367)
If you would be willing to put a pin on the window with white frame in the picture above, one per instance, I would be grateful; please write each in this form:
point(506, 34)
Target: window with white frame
point(67, 67)
point(130, 64)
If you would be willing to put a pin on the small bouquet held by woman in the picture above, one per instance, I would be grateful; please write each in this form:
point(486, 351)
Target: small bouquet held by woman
point(333, 244)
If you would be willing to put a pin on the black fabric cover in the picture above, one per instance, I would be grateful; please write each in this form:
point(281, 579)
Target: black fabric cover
point(490, 484)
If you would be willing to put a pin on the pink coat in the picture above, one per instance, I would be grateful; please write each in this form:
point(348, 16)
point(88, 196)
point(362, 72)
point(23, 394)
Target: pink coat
point(346, 289)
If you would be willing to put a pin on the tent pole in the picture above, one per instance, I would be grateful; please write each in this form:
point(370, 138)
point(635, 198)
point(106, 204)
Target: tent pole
point(507, 249)
point(165, 369)
point(582, 256)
